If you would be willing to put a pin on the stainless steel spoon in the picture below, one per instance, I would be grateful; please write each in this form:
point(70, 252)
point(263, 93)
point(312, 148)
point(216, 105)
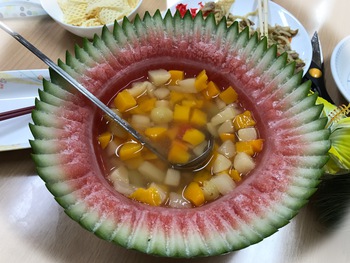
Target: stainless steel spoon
point(193, 164)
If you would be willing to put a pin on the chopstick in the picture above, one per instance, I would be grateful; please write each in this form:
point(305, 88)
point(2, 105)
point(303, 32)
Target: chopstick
point(15, 113)
point(263, 11)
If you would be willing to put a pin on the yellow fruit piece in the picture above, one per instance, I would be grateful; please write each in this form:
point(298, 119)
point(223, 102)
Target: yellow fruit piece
point(148, 196)
point(212, 90)
point(148, 155)
point(245, 146)
point(201, 81)
point(124, 101)
point(225, 136)
point(234, 174)
point(194, 194)
point(129, 150)
point(155, 133)
point(104, 139)
point(175, 97)
point(198, 117)
point(229, 95)
point(176, 75)
point(144, 106)
point(181, 113)
point(193, 136)
point(243, 120)
point(193, 103)
point(178, 153)
point(257, 145)
point(201, 176)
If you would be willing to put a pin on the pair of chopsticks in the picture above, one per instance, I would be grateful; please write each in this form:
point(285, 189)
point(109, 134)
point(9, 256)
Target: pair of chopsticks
point(15, 113)
point(263, 10)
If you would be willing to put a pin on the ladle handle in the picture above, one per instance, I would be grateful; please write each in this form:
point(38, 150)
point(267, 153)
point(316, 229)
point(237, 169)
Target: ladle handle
point(82, 90)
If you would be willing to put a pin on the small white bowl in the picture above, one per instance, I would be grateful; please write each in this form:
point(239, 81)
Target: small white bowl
point(54, 11)
point(340, 66)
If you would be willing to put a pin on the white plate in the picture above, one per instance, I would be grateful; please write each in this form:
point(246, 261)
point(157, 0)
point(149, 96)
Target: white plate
point(340, 66)
point(301, 43)
point(18, 89)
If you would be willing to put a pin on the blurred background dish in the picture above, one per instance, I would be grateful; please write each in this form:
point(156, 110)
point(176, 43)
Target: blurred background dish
point(340, 66)
point(55, 12)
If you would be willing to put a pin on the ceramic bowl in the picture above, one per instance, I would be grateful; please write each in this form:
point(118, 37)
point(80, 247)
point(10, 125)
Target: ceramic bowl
point(54, 11)
point(340, 66)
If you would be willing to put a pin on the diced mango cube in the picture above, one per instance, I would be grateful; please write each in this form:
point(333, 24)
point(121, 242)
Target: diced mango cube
point(229, 95)
point(149, 196)
point(144, 105)
point(225, 136)
point(257, 145)
point(124, 101)
point(201, 176)
point(181, 113)
point(193, 103)
point(175, 76)
point(212, 90)
point(245, 146)
point(193, 136)
point(155, 133)
point(175, 96)
point(201, 81)
point(129, 150)
point(104, 139)
point(198, 117)
point(194, 194)
point(243, 120)
point(234, 174)
point(178, 153)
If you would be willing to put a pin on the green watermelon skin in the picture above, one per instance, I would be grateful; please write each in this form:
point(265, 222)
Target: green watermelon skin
point(288, 170)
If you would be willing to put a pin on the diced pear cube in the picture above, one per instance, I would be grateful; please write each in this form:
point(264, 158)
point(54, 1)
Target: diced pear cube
point(159, 76)
point(138, 88)
point(224, 115)
point(161, 93)
point(247, 134)
point(139, 121)
point(120, 174)
point(172, 177)
point(177, 201)
point(221, 163)
point(210, 190)
point(226, 127)
point(184, 86)
point(243, 163)
point(227, 148)
point(151, 172)
point(223, 183)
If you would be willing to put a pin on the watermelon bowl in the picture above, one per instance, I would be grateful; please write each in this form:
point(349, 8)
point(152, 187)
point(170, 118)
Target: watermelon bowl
point(286, 173)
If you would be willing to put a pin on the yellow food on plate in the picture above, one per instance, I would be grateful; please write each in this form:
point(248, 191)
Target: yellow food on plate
point(95, 12)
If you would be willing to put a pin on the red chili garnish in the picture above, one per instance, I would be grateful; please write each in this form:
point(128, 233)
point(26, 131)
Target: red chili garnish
point(183, 9)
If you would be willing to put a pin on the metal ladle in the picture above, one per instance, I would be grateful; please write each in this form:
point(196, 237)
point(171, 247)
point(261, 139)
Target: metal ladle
point(193, 164)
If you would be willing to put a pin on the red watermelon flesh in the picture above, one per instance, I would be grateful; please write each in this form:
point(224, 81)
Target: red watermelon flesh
point(287, 171)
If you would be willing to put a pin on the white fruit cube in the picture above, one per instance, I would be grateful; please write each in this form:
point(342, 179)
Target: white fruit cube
point(247, 134)
point(223, 183)
point(172, 177)
point(159, 76)
point(243, 163)
point(221, 163)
